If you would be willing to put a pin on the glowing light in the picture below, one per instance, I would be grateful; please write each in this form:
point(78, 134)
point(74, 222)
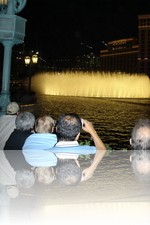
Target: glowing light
point(27, 60)
point(3, 2)
point(91, 84)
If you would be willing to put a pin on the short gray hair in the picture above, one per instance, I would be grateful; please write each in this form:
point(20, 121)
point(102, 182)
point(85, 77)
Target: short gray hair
point(25, 121)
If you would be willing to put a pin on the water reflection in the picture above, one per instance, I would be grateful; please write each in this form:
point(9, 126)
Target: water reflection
point(112, 118)
point(112, 195)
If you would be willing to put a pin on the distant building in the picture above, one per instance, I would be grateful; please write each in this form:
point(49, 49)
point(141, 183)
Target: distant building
point(129, 55)
point(144, 44)
point(120, 56)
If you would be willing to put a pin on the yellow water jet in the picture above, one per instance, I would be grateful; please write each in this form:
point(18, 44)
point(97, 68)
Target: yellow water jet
point(92, 84)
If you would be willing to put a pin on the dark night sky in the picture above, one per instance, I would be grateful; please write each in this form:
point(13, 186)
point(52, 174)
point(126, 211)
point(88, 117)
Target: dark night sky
point(57, 28)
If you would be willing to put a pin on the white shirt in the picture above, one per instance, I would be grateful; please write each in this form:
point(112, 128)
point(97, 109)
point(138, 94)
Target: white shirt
point(7, 126)
point(67, 155)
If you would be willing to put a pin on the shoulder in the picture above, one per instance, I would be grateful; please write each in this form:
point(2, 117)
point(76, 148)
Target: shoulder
point(41, 137)
point(7, 117)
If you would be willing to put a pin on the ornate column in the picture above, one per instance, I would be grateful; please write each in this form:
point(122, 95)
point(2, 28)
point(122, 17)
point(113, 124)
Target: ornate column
point(12, 31)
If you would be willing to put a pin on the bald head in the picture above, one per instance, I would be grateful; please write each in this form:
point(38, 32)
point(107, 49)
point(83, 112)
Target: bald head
point(140, 136)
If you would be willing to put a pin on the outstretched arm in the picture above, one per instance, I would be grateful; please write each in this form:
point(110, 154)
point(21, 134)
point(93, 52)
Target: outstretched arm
point(101, 150)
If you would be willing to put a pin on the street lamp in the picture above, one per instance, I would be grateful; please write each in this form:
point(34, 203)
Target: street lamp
point(35, 58)
point(29, 61)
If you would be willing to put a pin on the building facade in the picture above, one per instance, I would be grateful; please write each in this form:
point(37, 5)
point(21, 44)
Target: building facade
point(144, 44)
point(120, 56)
point(129, 55)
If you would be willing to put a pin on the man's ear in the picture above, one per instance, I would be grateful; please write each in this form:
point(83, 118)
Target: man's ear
point(77, 137)
point(130, 141)
point(52, 129)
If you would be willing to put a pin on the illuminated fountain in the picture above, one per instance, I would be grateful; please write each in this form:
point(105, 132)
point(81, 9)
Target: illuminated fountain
point(92, 84)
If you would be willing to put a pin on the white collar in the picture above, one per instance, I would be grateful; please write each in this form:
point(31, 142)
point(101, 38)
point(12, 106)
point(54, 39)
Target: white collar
point(67, 143)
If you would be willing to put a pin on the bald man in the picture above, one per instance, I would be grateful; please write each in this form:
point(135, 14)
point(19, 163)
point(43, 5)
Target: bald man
point(140, 145)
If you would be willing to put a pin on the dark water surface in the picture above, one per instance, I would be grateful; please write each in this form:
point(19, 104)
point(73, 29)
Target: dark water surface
point(112, 118)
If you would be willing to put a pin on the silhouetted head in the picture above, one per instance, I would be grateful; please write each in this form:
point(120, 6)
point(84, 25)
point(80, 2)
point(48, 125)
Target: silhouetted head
point(44, 124)
point(25, 121)
point(13, 108)
point(68, 127)
point(140, 136)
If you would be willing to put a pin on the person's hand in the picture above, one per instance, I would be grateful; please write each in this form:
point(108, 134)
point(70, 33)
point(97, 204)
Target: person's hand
point(88, 126)
point(87, 174)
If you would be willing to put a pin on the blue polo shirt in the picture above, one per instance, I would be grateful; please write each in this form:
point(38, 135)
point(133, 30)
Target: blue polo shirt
point(48, 157)
point(40, 158)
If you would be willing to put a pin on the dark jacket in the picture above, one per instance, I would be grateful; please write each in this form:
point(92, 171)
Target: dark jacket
point(13, 149)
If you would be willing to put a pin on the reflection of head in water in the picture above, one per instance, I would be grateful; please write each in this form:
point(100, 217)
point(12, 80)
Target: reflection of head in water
point(68, 172)
point(44, 175)
point(25, 179)
point(140, 144)
point(12, 191)
point(140, 161)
